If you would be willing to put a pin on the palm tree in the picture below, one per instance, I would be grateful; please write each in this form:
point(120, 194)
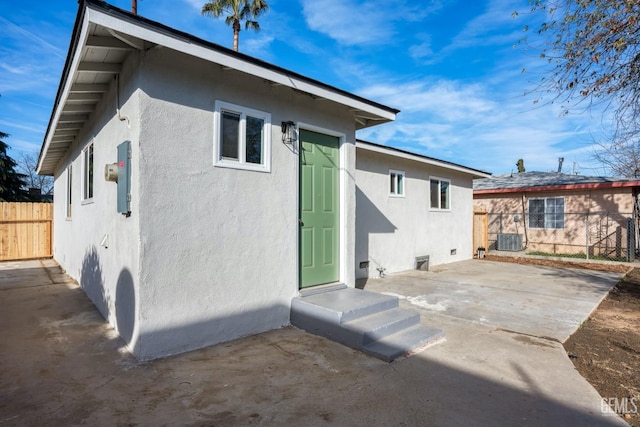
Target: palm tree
point(237, 11)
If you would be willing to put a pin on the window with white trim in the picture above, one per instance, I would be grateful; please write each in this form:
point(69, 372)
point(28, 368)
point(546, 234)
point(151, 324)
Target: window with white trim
point(546, 213)
point(87, 172)
point(440, 193)
point(69, 186)
point(396, 183)
point(242, 137)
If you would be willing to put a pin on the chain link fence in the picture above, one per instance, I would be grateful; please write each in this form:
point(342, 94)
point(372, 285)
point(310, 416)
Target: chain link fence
point(599, 235)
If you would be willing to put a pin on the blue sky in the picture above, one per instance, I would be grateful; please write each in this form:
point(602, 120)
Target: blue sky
point(449, 66)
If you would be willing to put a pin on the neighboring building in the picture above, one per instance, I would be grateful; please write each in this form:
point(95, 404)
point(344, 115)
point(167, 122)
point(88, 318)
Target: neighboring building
point(408, 207)
point(559, 213)
point(198, 241)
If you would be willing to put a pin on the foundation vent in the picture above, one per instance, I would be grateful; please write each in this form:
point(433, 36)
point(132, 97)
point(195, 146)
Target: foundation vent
point(422, 263)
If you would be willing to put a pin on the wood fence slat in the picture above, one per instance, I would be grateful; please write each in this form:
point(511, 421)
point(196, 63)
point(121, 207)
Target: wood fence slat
point(25, 230)
point(23, 236)
point(4, 234)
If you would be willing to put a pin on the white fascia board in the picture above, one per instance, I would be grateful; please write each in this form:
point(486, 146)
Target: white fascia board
point(207, 54)
point(421, 159)
point(84, 34)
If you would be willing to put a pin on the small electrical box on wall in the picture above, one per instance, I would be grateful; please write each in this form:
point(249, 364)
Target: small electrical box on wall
point(111, 172)
point(124, 178)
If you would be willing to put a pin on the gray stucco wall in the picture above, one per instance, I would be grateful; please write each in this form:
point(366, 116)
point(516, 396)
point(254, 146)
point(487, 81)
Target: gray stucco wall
point(219, 246)
point(392, 231)
point(108, 273)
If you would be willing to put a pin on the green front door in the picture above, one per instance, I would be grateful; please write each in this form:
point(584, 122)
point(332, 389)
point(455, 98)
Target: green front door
point(319, 209)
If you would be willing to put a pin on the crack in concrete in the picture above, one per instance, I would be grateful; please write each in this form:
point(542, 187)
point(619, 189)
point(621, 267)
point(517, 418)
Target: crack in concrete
point(542, 337)
point(74, 398)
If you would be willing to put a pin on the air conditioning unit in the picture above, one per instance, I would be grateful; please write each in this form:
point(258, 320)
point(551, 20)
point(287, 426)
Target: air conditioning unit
point(509, 242)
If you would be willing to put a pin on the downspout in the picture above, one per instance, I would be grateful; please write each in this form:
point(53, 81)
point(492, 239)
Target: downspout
point(524, 224)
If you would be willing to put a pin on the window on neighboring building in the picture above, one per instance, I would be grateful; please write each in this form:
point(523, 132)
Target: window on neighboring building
point(396, 183)
point(69, 182)
point(440, 194)
point(87, 172)
point(546, 213)
point(242, 137)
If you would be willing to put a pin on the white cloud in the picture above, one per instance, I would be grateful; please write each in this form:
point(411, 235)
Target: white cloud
point(257, 46)
point(21, 145)
point(358, 22)
point(477, 125)
point(421, 50)
point(491, 27)
point(35, 78)
point(347, 21)
point(17, 32)
point(24, 69)
point(494, 27)
point(196, 4)
point(29, 62)
point(36, 129)
point(443, 99)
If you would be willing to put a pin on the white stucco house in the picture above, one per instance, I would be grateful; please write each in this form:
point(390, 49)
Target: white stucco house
point(411, 210)
point(215, 221)
point(198, 189)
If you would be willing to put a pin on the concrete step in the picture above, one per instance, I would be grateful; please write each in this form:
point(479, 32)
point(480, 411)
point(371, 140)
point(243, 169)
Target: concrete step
point(404, 343)
point(379, 325)
point(342, 305)
point(363, 320)
point(322, 289)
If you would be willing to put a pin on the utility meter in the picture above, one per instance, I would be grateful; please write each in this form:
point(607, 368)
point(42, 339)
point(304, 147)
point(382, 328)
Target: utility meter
point(111, 172)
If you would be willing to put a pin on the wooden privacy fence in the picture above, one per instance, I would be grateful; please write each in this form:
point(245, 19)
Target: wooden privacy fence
point(25, 230)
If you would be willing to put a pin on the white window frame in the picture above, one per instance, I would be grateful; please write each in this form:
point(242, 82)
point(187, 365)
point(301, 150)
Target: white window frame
point(546, 214)
point(241, 163)
point(69, 205)
point(440, 181)
point(396, 177)
point(88, 174)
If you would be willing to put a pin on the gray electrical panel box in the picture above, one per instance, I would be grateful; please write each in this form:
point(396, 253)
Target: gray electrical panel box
point(124, 178)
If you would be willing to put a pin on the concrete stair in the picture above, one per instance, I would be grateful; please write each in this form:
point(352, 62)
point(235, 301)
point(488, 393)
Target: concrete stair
point(363, 320)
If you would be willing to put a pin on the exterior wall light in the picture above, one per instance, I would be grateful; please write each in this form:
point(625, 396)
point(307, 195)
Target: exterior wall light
point(289, 134)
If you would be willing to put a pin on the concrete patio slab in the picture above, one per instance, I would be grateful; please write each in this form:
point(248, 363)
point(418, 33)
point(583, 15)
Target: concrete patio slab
point(63, 365)
point(535, 300)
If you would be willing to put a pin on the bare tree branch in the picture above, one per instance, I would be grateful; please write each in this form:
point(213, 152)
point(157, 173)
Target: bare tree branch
point(27, 165)
point(593, 51)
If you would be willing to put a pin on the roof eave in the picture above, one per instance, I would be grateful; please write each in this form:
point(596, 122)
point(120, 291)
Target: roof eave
point(566, 187)
point(396, 152)
point(366, 113)
point(73, 47)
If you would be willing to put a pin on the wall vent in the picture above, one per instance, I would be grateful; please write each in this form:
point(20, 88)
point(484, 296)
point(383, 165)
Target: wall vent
point(422, 263)
point(509, 242)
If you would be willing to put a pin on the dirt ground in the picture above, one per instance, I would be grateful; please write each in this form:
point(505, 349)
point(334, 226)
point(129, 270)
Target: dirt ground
point(606, 348)
point(617, 268)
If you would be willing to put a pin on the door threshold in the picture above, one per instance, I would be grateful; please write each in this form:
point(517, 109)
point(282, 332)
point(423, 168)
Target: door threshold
point(320, 289)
